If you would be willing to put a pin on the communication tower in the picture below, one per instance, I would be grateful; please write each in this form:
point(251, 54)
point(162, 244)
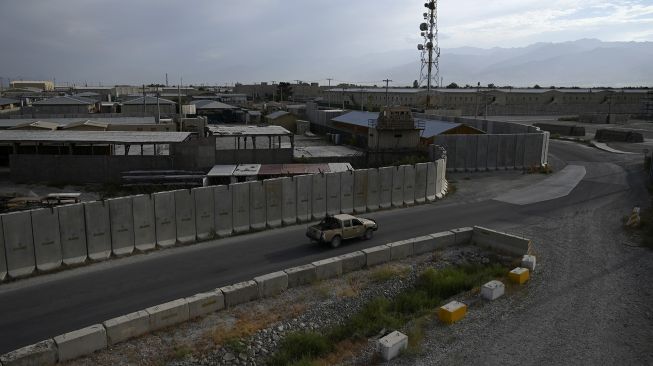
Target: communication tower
point(429, 50)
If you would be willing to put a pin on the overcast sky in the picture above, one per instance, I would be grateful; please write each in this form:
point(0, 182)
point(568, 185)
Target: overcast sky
point(223, 41)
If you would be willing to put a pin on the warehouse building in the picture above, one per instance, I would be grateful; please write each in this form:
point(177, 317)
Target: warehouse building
point(65, 104)
point(149, 106)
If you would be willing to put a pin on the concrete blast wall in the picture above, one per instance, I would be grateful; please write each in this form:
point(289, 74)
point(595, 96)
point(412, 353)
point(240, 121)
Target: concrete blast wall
point(494, 152)
point(46, 239)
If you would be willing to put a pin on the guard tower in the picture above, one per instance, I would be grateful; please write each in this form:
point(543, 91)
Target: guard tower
point(393, 136)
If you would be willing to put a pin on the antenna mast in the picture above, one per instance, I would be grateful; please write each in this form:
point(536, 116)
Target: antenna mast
point(430, 50)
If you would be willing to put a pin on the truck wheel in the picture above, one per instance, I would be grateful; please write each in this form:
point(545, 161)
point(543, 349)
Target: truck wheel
point(368, 234)
point(335, 242)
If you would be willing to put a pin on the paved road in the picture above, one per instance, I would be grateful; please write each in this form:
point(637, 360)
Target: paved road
point(35, 309)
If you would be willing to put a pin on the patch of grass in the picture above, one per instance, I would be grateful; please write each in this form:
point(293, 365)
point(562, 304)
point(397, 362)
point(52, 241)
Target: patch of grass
point(249, 323)
point(381, 314)
point(543, 169)
point(235, 344)
point(180, 351)
point(451, 189)
point(387, 272)
point(300, 348)
point(569, 119)
point(415, 333)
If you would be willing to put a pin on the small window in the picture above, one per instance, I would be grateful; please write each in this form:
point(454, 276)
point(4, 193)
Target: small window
point(347, 223)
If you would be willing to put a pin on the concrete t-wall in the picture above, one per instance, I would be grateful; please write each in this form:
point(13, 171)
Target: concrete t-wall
point(45, 239)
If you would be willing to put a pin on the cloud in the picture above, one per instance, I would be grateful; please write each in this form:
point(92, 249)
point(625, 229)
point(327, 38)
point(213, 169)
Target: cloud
point(124, 41)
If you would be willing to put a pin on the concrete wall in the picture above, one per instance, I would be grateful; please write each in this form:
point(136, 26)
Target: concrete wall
point(63, 169)
point(493, 152)
point(47, 239)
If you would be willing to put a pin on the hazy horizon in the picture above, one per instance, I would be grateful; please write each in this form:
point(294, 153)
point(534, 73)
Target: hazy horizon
point(210, 42)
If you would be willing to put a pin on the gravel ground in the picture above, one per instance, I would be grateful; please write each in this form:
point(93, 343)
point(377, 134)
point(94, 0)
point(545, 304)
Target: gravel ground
point(315, 307)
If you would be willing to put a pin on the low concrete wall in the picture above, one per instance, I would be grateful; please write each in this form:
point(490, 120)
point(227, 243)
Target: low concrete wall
point(501, 242)
point(240, 293)
point(167, 314)
point(127, 326)
point(81, 342)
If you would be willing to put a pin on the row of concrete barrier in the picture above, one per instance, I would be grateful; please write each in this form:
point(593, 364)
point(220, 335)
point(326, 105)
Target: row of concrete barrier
point(46, 239)
point(100, 336)
point(494, 152)
point(564, 130)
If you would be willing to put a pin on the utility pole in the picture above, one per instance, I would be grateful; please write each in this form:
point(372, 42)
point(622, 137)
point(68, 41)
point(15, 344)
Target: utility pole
point(329, 92)
point(274, 91)
point(478, 90)
point(143, 100)
point(343, 97)
point(158, 106)
point(166, 79)
point(387, 82)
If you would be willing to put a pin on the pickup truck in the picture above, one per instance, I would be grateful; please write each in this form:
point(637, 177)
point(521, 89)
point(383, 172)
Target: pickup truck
point(334, 229)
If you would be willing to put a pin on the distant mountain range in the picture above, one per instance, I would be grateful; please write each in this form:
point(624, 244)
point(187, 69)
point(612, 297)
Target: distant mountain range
point(583, 63)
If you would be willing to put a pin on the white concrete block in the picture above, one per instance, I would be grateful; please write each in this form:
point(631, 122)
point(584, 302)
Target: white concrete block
point(239, 293)
point(42, 353)
point(328, 268)
point(493, 290)
point(391, 345)
point(272, 284)
point(401, 249)
point(463, 235)
point(205, 303)
point(353, 261)
point(528, 261)
point(81, 342)
point(301, 275)
point(127, 326)
point(377, 255)
point(167, 314)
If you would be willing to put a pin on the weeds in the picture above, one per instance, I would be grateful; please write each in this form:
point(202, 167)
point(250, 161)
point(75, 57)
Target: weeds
point(543, 169)
point(388, 272)
point(381, 314)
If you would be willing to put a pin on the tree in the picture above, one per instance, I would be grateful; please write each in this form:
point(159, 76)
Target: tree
point(537, 86)
point(453, 86)
point(415, 84)
point(284, 90)
point(491, 86)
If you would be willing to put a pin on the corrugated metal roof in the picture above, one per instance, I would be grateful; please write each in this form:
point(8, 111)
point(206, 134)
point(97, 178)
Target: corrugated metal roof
point(148, 100)
point(358, 118)
point(277, 114)
point(45, 125)
point(66, 121)
point(241, 130)
point(108, 137)
point(65, 100)
point(340, 167)
point(244, 170)
point(433, 127)
point(7, 101)
point(222, 171)
point(211, 104)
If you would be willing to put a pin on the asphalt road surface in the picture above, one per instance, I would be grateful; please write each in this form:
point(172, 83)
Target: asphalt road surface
point(42, 307)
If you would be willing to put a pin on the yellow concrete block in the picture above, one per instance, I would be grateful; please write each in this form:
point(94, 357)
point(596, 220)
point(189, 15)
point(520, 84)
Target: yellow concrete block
point(452, 312)
point(519, 275)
